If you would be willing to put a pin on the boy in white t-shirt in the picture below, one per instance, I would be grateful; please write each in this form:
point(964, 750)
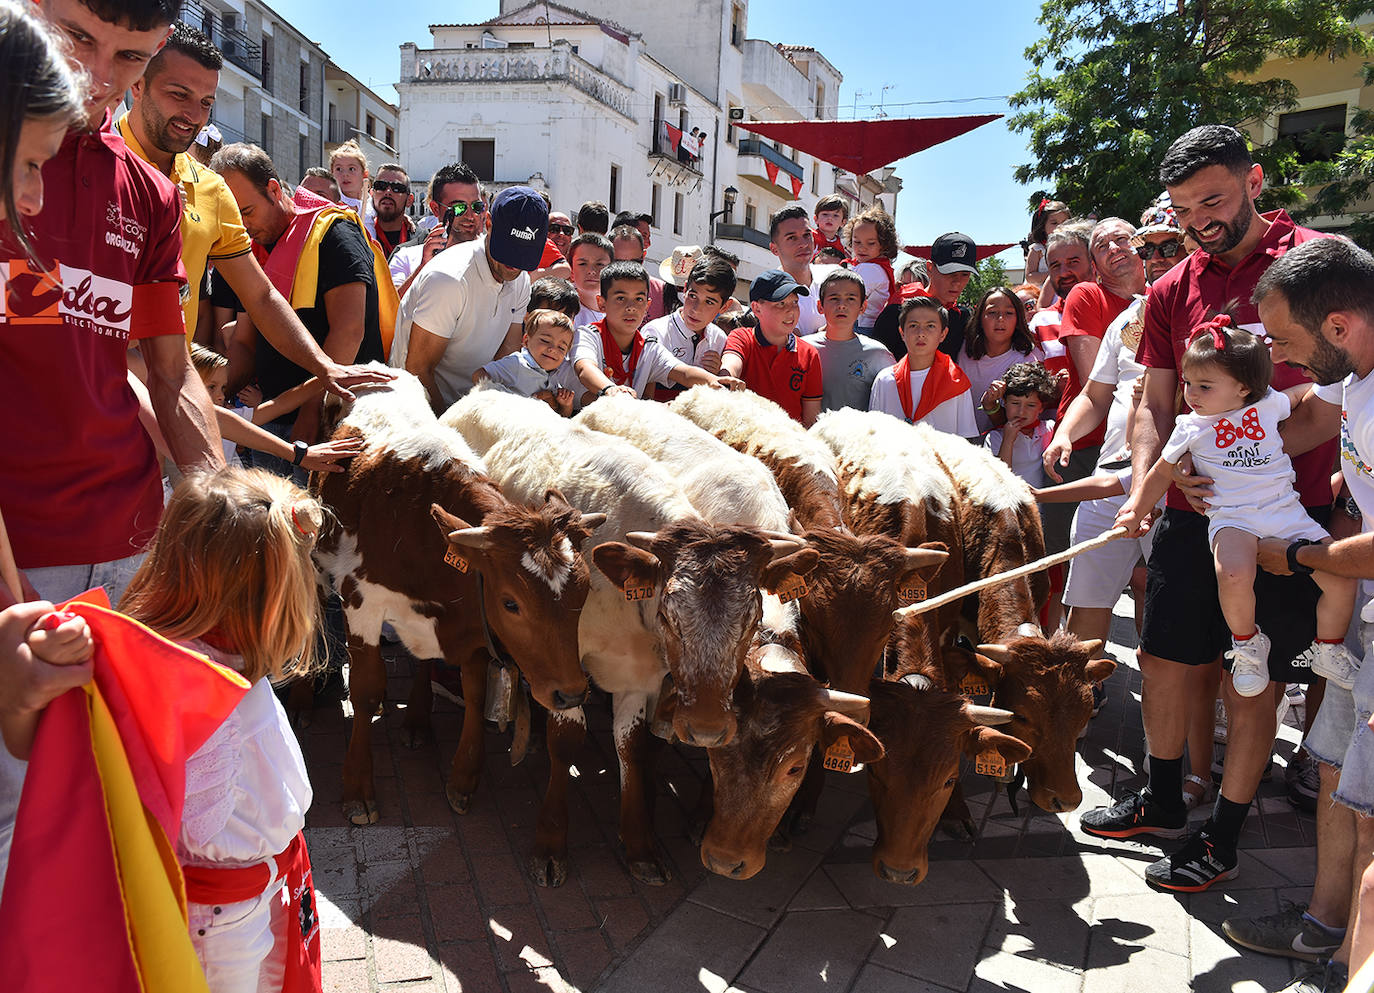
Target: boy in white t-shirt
point(1233, 436)
point(925, 384)
point(689, 333)
point(1021, 442)
point(588, 255)
point(612, 355)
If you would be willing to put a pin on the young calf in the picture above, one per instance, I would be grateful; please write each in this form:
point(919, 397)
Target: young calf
point(680, 596)
point(491, 566)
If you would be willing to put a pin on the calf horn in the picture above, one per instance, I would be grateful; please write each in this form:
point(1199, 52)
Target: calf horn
point(988, 716)
point(849, 704)
point(916, 558)
point(592, 521)
point(1093, 647)
point(478, 537)
point(998, 653)
point(642, 539)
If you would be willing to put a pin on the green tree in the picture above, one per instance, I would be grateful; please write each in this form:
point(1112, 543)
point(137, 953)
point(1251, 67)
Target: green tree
point(991, 272)
point(1114, 82)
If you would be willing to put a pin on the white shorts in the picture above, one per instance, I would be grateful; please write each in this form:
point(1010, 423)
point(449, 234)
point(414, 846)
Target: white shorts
point(1096, 578)
point(240, 945)
point(1283, 520)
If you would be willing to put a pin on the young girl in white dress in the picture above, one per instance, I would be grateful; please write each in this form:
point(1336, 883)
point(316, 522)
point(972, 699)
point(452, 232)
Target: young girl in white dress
point(1233, 436)
point(229, 575)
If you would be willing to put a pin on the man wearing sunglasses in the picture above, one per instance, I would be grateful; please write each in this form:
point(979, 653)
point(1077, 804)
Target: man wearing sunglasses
point(452, 185)
point(1158, 241)
point(391, 197)
point(561, 232)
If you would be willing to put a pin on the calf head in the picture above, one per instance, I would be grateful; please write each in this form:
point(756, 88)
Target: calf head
point(847, 611)
point(699, 586)
point(781, 717)
point(534, 583)
point(924, 732)
point(1047, 684)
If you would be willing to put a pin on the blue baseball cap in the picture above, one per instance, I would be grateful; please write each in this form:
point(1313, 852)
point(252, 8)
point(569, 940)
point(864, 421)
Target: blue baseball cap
point(519, 228)
point(774, 285)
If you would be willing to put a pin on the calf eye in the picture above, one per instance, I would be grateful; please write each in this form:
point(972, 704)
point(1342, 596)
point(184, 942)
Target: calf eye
point(949, 783)
point(511, 605)
point(795, 769)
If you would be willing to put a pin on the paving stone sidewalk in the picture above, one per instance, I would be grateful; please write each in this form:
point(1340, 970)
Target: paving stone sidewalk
point(426, 900)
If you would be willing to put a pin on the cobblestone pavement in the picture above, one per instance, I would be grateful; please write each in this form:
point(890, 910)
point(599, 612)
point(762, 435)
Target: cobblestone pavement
point(426, 900)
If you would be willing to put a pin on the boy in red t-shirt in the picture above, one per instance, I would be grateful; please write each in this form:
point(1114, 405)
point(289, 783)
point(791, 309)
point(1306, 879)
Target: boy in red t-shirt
point(771, 359)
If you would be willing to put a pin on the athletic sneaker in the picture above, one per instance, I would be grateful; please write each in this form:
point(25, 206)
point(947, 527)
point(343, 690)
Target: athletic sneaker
point(1335, 662)
point(1288, 934)
point(1329, 977)
point(1303, 782)
point(1136, 813)
point(1194, 867)
point(1250, 664)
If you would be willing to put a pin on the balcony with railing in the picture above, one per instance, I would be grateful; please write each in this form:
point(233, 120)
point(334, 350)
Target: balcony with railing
point(662, 154)
point(237, 46)
point(515, 65)
point(337, 131)
point(741, 232)
point(752, 156)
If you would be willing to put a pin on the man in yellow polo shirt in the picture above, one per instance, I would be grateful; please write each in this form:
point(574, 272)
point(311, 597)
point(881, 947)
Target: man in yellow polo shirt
point(172, 102)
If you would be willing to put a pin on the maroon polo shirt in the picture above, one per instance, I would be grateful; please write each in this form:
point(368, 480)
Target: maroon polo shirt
point(1199, 288)
point(785, 374)
point(79, 478)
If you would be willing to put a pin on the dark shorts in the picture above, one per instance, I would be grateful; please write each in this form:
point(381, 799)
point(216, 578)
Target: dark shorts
point(1183, 619)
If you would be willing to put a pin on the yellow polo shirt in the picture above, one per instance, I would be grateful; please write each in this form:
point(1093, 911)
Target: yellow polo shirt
point(211, 227)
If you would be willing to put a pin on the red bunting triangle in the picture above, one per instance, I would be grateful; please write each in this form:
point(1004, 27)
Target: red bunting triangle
point(674, 135)
point(796, 185)
point(772, 169)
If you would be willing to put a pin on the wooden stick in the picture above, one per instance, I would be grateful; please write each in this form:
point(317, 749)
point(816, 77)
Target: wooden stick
point(9, 569)
point(1005, 577)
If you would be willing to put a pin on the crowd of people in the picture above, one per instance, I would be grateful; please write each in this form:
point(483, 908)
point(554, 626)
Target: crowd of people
point(193, 310)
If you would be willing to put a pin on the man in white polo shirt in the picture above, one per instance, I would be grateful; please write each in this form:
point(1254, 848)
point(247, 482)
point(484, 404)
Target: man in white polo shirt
point(466, 307)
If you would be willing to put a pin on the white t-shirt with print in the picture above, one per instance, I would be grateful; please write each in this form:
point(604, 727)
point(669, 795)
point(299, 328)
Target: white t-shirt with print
point(1116, 366)
point(1254, 486)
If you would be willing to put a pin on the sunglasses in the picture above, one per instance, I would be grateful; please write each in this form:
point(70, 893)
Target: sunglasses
point(1168, 250)
point(459, 207)
point(560, 229)
point(386, 186)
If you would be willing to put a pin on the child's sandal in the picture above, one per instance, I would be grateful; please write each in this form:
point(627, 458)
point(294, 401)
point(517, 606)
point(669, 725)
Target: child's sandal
point(1193, 800)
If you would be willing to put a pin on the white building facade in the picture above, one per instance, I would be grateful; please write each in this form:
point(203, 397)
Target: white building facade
point(587, 105)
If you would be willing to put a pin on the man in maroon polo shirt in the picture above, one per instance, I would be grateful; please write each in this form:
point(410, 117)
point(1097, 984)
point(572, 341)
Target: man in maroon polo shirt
point(1213, 184)
point(79, 477)
point(772, 359)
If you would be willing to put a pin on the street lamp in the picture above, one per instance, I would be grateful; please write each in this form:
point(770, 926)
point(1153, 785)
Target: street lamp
point(728, 196)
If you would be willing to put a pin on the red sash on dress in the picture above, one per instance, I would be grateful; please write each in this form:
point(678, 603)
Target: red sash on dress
point(610, 351)
point(891, 277)
point(944, 381)
point(213, 886)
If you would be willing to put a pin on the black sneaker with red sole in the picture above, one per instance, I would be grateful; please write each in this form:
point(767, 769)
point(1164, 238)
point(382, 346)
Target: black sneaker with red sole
point(1137, 813)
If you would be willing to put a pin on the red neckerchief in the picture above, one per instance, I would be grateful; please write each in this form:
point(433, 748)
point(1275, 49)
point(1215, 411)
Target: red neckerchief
point(944, 381)
point(610, 350)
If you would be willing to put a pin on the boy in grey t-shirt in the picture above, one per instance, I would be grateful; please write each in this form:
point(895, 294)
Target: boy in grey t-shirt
point(849, 362)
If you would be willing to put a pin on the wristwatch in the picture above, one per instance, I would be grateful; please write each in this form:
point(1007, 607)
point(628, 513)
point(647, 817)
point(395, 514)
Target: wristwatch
point(1294, 566)
point(1348, 505)
point(301, 448)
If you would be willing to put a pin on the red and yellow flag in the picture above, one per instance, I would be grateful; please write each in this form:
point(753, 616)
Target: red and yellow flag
point(94, 898)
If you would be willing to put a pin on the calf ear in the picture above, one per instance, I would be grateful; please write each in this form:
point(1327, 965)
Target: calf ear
point(781, 571)
point(633, 570)
point(864, 743)
point(981, 739)
point(1099, 669)
point(447, 522)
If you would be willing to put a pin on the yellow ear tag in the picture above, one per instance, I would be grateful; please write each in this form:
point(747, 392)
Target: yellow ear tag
point(454, 559)
point(990, 763)
point(974, 685)
point(839, 757)
point(633, 593)
point(792, 588)
point(914, 593)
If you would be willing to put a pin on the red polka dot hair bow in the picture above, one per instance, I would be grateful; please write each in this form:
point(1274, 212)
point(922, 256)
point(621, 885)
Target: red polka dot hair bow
point(1214, 327)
